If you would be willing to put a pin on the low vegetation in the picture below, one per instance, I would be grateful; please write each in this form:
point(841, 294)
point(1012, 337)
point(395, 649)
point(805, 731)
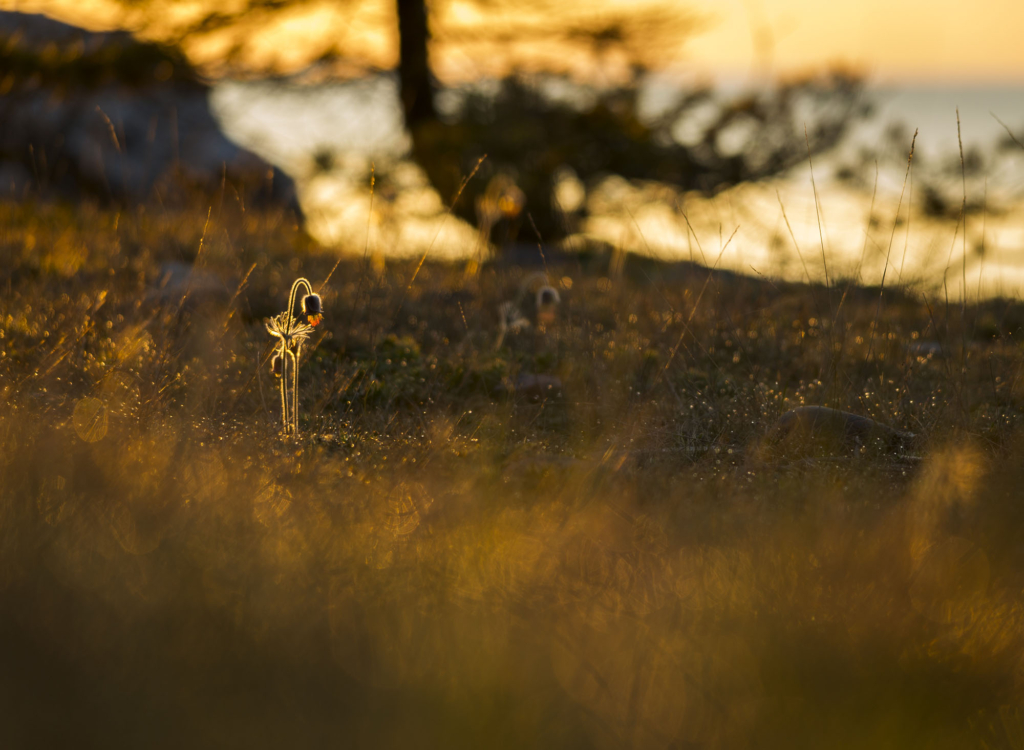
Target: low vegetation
point(438, 558)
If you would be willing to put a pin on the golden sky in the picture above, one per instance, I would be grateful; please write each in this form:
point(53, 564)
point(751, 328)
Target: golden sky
point(919, 40)
point(892, 40)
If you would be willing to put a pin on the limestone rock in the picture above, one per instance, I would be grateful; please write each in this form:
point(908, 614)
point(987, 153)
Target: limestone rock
point(819, 430)
point(108, 116)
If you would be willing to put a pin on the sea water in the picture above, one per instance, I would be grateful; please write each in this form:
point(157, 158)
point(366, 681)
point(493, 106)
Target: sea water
point(871, 227)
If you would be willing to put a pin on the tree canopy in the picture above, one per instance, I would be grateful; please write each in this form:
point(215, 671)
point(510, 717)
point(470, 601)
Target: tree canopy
point(528, 137)
point(468, 38)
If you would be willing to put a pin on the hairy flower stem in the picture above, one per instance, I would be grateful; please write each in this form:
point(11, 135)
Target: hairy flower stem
point(295, 389)
point(284, 394)
point(292, 330)
point(299, 283)
point(292, 420)
point(295, 289)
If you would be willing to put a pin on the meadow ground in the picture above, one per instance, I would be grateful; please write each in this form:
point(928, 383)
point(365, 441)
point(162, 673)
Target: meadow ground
point(439, 561)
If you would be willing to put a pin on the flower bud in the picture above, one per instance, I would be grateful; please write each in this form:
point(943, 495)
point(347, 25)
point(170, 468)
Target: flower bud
point(547, 305)
point(311, 304)
point(312, 308)
point(547, 295)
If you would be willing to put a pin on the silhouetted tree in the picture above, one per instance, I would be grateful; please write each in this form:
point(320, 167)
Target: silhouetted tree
point(416, 83)
point(643, 36)
point(529, 136)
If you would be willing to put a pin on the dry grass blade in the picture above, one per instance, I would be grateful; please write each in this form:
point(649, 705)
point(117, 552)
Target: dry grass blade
point(195, 263)
point(447, 213)
point(792, 236)
point(892, 236)
point(817, 214)
point(1008, 131)
point(693, 311)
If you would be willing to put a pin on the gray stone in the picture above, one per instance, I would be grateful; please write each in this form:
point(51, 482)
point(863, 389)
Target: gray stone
point(819, 429)
point(106, 115)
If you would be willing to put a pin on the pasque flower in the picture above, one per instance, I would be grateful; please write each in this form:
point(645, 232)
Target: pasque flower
point(311, 309)
point(292, 332)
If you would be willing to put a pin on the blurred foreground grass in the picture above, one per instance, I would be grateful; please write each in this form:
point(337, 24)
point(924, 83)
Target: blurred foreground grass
point(439, 563)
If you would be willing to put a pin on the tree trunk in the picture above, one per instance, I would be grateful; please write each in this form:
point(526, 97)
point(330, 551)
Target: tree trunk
point(416, 85)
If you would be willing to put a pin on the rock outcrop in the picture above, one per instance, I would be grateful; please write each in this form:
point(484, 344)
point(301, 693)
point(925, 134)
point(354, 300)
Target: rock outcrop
point(105, 115)
point(821, 431)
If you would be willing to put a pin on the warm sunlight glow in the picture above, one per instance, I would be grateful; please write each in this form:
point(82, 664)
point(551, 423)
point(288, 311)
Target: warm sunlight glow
point(906, 40)
point(902, 40)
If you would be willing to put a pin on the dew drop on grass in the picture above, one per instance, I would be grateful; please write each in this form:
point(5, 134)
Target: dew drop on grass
point(90, 419)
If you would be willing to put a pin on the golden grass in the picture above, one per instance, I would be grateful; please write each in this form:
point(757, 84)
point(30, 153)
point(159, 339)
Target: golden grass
point(436, 565)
